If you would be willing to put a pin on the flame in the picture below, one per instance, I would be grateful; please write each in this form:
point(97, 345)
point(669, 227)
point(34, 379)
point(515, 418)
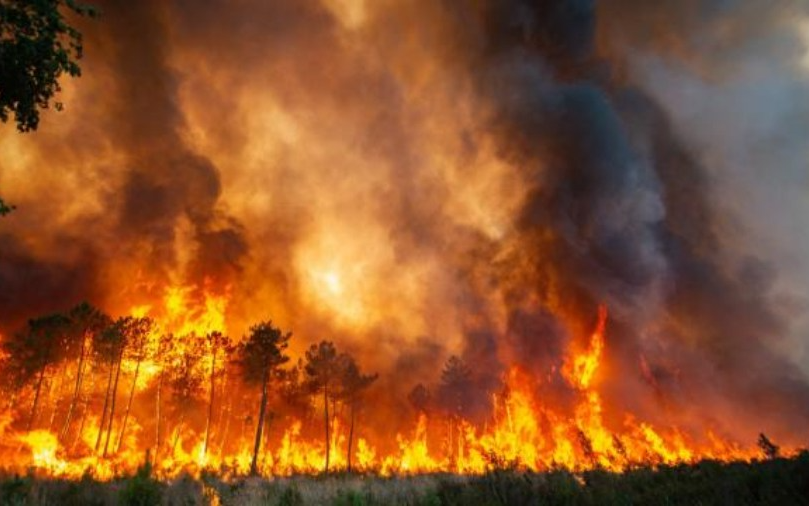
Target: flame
point(526, 429)
point(406, 193)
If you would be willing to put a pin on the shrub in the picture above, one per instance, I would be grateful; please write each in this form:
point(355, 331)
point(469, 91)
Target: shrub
point(15, 491)
point(141, 489)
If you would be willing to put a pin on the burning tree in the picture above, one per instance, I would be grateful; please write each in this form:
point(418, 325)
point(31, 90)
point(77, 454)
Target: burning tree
point(219, 346)
point(110, 348)
point(420, 398)
point(352, 384)
point(323, 368)
point(163, 362)
point(33, 352)
point(456, 383)
point(86, 322)
point(260, 357)
point(138, 332)
point(186, 377)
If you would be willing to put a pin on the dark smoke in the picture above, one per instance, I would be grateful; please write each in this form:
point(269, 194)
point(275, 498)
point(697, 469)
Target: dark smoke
point(167, 181)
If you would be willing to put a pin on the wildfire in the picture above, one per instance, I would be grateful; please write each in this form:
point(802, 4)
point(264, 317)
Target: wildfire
point(526, 428)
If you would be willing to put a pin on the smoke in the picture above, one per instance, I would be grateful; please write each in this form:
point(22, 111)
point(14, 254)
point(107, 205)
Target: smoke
point(417, 179)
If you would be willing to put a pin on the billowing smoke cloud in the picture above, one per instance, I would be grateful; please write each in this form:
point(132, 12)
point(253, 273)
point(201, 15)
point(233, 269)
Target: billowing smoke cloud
point(436, 178)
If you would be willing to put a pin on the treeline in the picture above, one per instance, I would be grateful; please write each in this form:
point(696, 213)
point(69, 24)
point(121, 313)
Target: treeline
point(73, 364)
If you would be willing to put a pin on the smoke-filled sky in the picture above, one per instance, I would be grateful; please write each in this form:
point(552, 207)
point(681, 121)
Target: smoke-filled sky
point(416, 178)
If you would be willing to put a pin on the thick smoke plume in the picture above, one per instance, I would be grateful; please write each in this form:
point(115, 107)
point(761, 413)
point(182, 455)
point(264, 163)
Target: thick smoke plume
point(416, 179)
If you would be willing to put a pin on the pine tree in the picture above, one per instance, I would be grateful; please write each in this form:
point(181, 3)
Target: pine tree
point(260, 357)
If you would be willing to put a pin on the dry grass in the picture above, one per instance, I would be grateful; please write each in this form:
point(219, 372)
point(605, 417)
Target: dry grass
point(775, 481)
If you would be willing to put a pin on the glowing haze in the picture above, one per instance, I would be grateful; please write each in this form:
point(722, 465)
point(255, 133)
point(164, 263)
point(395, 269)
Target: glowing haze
point(600, 208)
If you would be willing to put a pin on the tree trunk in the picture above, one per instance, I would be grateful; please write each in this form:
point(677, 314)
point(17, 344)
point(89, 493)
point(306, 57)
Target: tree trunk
point(85, 410)
point(76, 388)
point(259, 429)
point(210, 407)
point(129, 404)
point(157, 415)
point(54, 394)
point(227, 415)
point(104, 410)
point(326, 417)
point(36, 399)
point(177, 432)
point(220, 422)
point(112, 401)
point(350, 436)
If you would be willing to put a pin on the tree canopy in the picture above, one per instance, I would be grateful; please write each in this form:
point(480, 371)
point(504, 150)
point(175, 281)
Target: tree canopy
point(37, 47)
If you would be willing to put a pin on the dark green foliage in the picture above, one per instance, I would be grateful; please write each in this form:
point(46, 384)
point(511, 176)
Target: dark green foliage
point(290, 496)
point(15, 491)
point(86, 492)
point(263, 351)
point(184, 491)
point(774, 482)
point(260, 357)
point(141, 489)
point(350, 498)
point(37, 46)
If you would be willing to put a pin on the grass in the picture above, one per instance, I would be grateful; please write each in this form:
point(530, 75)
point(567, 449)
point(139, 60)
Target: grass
point(777, 481)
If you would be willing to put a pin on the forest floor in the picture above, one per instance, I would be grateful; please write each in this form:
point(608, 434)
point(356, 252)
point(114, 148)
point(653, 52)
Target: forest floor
point(780, 481)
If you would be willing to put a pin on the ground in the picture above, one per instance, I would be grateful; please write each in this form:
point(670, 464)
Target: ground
point(777, 481)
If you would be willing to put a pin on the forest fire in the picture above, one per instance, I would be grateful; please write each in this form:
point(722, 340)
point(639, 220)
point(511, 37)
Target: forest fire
point(407, 237)
point(189, 408)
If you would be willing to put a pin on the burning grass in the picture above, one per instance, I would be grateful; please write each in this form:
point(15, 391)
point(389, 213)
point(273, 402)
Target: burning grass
point(775, 481)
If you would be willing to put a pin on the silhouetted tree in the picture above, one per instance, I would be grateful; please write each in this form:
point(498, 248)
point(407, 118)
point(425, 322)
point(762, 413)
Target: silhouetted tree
point(453, 391)
point(122, 333)
point(109, 348)
point(37, 46)
point(137, 336)
point(352, 385)
point(33, 351)
point(163, 361)
point(86, 321)
point(218, 347)
point(322, 368)
point(456, 381)
point(260, 356)
point(295, 391)
point(420, 398)
point(768, 448)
